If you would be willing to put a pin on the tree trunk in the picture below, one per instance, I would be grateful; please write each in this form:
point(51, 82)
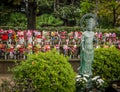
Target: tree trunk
point(31, 16)
point(97, 6)
point(56, 5)
point(114, 17)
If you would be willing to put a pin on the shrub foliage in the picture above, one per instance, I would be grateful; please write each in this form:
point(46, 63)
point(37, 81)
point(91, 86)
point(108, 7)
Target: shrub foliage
point(48, 72)
point(107, 63)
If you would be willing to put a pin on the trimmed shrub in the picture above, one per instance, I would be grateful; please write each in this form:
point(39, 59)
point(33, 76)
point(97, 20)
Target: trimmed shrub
point(107, 63)
point(47, 72)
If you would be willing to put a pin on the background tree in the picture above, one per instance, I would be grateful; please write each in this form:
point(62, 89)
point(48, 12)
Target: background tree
point(109, 13)
point(6, 7)
point(31, 10)
point(68, 11)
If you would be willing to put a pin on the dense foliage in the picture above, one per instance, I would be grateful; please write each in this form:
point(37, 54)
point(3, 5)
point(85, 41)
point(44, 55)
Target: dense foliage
point(107, 63)
point(49, 72)
point(14, 20)
point(18, 20)
point(70, 12)
point(48, 20)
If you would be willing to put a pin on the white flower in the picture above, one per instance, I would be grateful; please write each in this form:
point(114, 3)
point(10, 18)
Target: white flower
point(100, 81)
point(78, 76)
point(84, 79)
point(85, 75)
point(77, 79)
point(96, 77)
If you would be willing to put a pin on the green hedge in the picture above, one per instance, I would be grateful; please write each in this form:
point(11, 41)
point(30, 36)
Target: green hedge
point(114, 30)
point(107, 63)
point(49, 72)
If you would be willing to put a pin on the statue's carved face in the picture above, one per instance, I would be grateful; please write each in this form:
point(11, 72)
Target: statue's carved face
point(90, 24)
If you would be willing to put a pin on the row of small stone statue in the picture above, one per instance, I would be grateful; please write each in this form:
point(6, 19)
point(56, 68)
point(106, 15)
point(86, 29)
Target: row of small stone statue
point(39, 37)
point(16, 44)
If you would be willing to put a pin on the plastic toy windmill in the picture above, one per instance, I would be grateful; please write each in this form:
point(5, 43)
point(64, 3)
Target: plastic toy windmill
point(83, 21)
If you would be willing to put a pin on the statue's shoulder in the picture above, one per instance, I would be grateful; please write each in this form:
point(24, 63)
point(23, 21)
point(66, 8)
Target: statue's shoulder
point(93, 33)
point(84, 33)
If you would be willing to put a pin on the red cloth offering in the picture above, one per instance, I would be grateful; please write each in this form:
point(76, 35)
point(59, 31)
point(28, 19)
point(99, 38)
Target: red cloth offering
point(5, 37)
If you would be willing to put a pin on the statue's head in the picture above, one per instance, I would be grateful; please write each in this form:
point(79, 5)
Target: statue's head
point(90, 24)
